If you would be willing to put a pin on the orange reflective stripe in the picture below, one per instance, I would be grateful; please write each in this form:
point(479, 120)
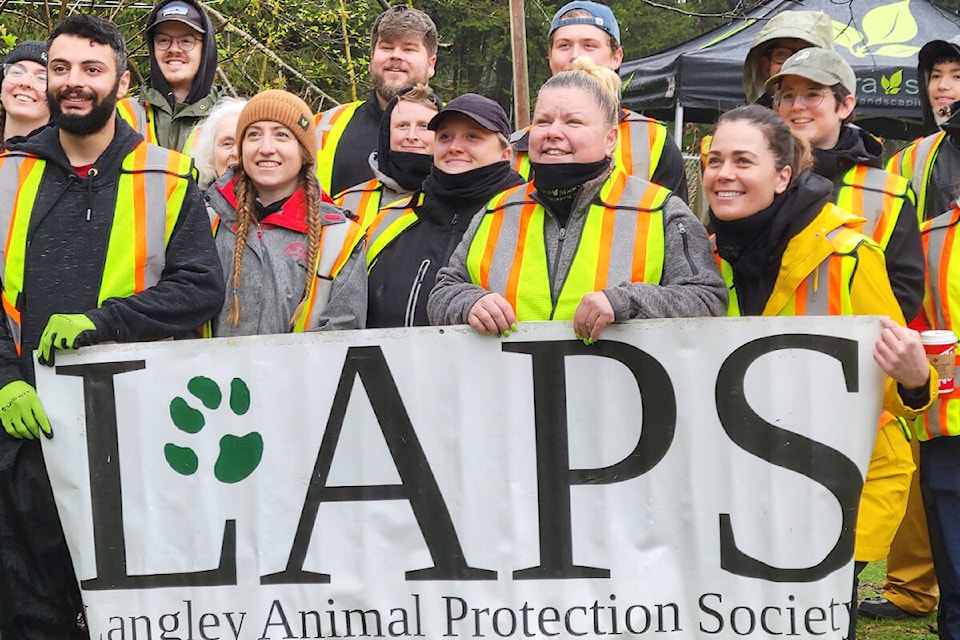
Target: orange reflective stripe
point(613, 194)
point(526, 215)
point(800, 298)
point(25, 168)
point(333, 121)
point(139, 218)
point(833, 292)
point(640, 245)
point(496, 223)
point(625, 149)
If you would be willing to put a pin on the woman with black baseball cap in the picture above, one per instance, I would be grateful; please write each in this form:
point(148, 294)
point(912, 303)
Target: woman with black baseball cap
point(414, 238)
point(23, 92)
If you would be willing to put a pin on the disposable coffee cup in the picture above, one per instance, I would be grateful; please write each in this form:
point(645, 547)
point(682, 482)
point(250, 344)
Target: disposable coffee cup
point(941, 349)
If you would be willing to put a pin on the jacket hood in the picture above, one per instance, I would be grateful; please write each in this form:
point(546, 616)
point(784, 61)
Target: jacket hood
point(929, 55)
point(208, 61)
point(45, 143)
point(854, 147)
point(814, 27)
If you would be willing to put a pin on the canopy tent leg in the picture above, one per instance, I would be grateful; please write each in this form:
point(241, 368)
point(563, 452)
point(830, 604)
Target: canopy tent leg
point(678, 125)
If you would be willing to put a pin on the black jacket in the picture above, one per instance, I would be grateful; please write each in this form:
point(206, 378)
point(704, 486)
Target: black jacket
point(405, 271)
point(904, 252)
point(351, 162)
point(66, 253)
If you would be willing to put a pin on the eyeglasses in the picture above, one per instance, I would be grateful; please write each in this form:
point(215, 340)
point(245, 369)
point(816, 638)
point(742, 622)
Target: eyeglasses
point(808, 97)
point(18, 74)
point(779, 55)
point(162, 42)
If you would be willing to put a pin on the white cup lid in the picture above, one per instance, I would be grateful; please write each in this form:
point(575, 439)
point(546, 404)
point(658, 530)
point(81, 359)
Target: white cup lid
point(938, 336)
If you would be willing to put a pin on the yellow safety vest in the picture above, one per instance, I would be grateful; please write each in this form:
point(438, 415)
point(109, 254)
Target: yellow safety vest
point(876, 195)
point(915, 163)
point(330, 127)
point(151, 187)
point(390, 222)
point(942, 307)
point(825, 291)
point(508, 253)
point(140, 116)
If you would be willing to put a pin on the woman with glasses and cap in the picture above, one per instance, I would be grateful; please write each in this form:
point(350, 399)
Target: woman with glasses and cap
point(584, 241)
point(410, 241)
point(23, 92)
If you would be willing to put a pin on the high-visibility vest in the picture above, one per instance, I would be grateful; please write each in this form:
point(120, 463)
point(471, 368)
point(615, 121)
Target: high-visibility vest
point(825, 291)
point(638, 151)
point(140, 116)
point(508, 253)
point(915, 163)
point(330, 127)
point(876, 195)
point(337, 242)
point(150, 192)
point(363, 200)
point(390, 222)
point(942, 307)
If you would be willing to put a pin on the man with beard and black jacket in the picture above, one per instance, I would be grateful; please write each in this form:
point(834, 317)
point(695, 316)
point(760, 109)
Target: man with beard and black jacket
point(411, 240)
point(815, 93)
point(403, 52)
point(179, 92)
point(70, 248)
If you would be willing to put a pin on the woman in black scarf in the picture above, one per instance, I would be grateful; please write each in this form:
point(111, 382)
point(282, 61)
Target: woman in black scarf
point(411, 240)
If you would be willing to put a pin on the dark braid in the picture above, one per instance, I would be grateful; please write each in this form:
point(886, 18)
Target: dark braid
point(245, 193)
point(311, 187)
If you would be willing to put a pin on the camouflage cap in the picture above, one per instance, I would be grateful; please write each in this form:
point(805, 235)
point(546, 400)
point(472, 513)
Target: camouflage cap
point(819, 65)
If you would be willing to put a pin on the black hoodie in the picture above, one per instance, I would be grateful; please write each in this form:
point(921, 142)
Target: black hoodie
point(66, 252)
point(903, 251)
point(174, 122)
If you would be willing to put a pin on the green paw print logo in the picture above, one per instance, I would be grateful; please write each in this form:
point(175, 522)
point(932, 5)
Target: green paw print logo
point(239, 455)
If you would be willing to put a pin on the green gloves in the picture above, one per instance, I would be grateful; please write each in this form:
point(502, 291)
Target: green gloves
point(64, 331)
point(21, 413)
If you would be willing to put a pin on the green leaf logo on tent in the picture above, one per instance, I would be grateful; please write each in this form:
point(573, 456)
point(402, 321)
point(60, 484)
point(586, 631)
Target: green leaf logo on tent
point(891, 85)
point(886, 30)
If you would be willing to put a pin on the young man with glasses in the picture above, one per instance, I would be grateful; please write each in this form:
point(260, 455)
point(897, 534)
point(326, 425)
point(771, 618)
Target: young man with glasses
point(179, 93)
point(23, 92)
point(781, 37)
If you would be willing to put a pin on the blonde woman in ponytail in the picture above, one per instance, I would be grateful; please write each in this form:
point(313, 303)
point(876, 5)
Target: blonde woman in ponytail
point(584, 241)
point(293, 261)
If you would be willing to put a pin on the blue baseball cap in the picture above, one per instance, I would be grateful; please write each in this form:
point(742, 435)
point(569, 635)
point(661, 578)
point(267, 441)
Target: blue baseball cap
point(601, 16)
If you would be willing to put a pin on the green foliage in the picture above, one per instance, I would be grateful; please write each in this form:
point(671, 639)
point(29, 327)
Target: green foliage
point(320, 49)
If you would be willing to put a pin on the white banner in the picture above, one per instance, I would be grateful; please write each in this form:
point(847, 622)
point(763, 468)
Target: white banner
point(679, 479)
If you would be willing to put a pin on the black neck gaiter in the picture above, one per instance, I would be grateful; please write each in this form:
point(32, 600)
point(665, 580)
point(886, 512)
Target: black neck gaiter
point(558, 184)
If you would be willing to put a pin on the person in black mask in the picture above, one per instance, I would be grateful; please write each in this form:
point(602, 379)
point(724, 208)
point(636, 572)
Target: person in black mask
point(584, 241)
point(403, 157)
point(412, 239)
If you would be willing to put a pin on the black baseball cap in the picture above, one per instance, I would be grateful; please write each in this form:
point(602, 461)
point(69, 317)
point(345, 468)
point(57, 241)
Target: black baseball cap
point(486, 112)
point(179, 12)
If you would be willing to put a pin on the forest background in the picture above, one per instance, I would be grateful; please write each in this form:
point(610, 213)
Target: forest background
point(320, 49)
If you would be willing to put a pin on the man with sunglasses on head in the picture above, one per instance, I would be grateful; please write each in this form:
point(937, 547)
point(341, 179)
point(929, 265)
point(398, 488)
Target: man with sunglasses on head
point(781, 37)
point(179, 92)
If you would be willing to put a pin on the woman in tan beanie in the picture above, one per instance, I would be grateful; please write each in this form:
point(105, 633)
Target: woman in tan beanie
point(293, 261)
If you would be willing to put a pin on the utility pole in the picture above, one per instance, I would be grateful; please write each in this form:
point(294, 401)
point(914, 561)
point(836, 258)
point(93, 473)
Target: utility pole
point(521, 81)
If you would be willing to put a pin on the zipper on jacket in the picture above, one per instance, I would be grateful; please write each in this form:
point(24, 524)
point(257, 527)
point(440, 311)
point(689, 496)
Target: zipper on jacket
point(686, 247)
point(410, 313)
point(91, 173)
point(556, 267)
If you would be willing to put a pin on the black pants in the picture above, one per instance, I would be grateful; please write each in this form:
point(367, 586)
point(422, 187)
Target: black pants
point(940, 486)
point(39, 595)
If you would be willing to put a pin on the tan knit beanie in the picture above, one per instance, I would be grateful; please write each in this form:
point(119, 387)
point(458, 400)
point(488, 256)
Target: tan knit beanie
point(276, 105)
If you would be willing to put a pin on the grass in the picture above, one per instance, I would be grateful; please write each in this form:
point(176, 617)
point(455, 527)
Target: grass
point(908, 629)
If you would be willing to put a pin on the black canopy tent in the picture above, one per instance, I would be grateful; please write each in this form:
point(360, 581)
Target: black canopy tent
point(880, 39)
